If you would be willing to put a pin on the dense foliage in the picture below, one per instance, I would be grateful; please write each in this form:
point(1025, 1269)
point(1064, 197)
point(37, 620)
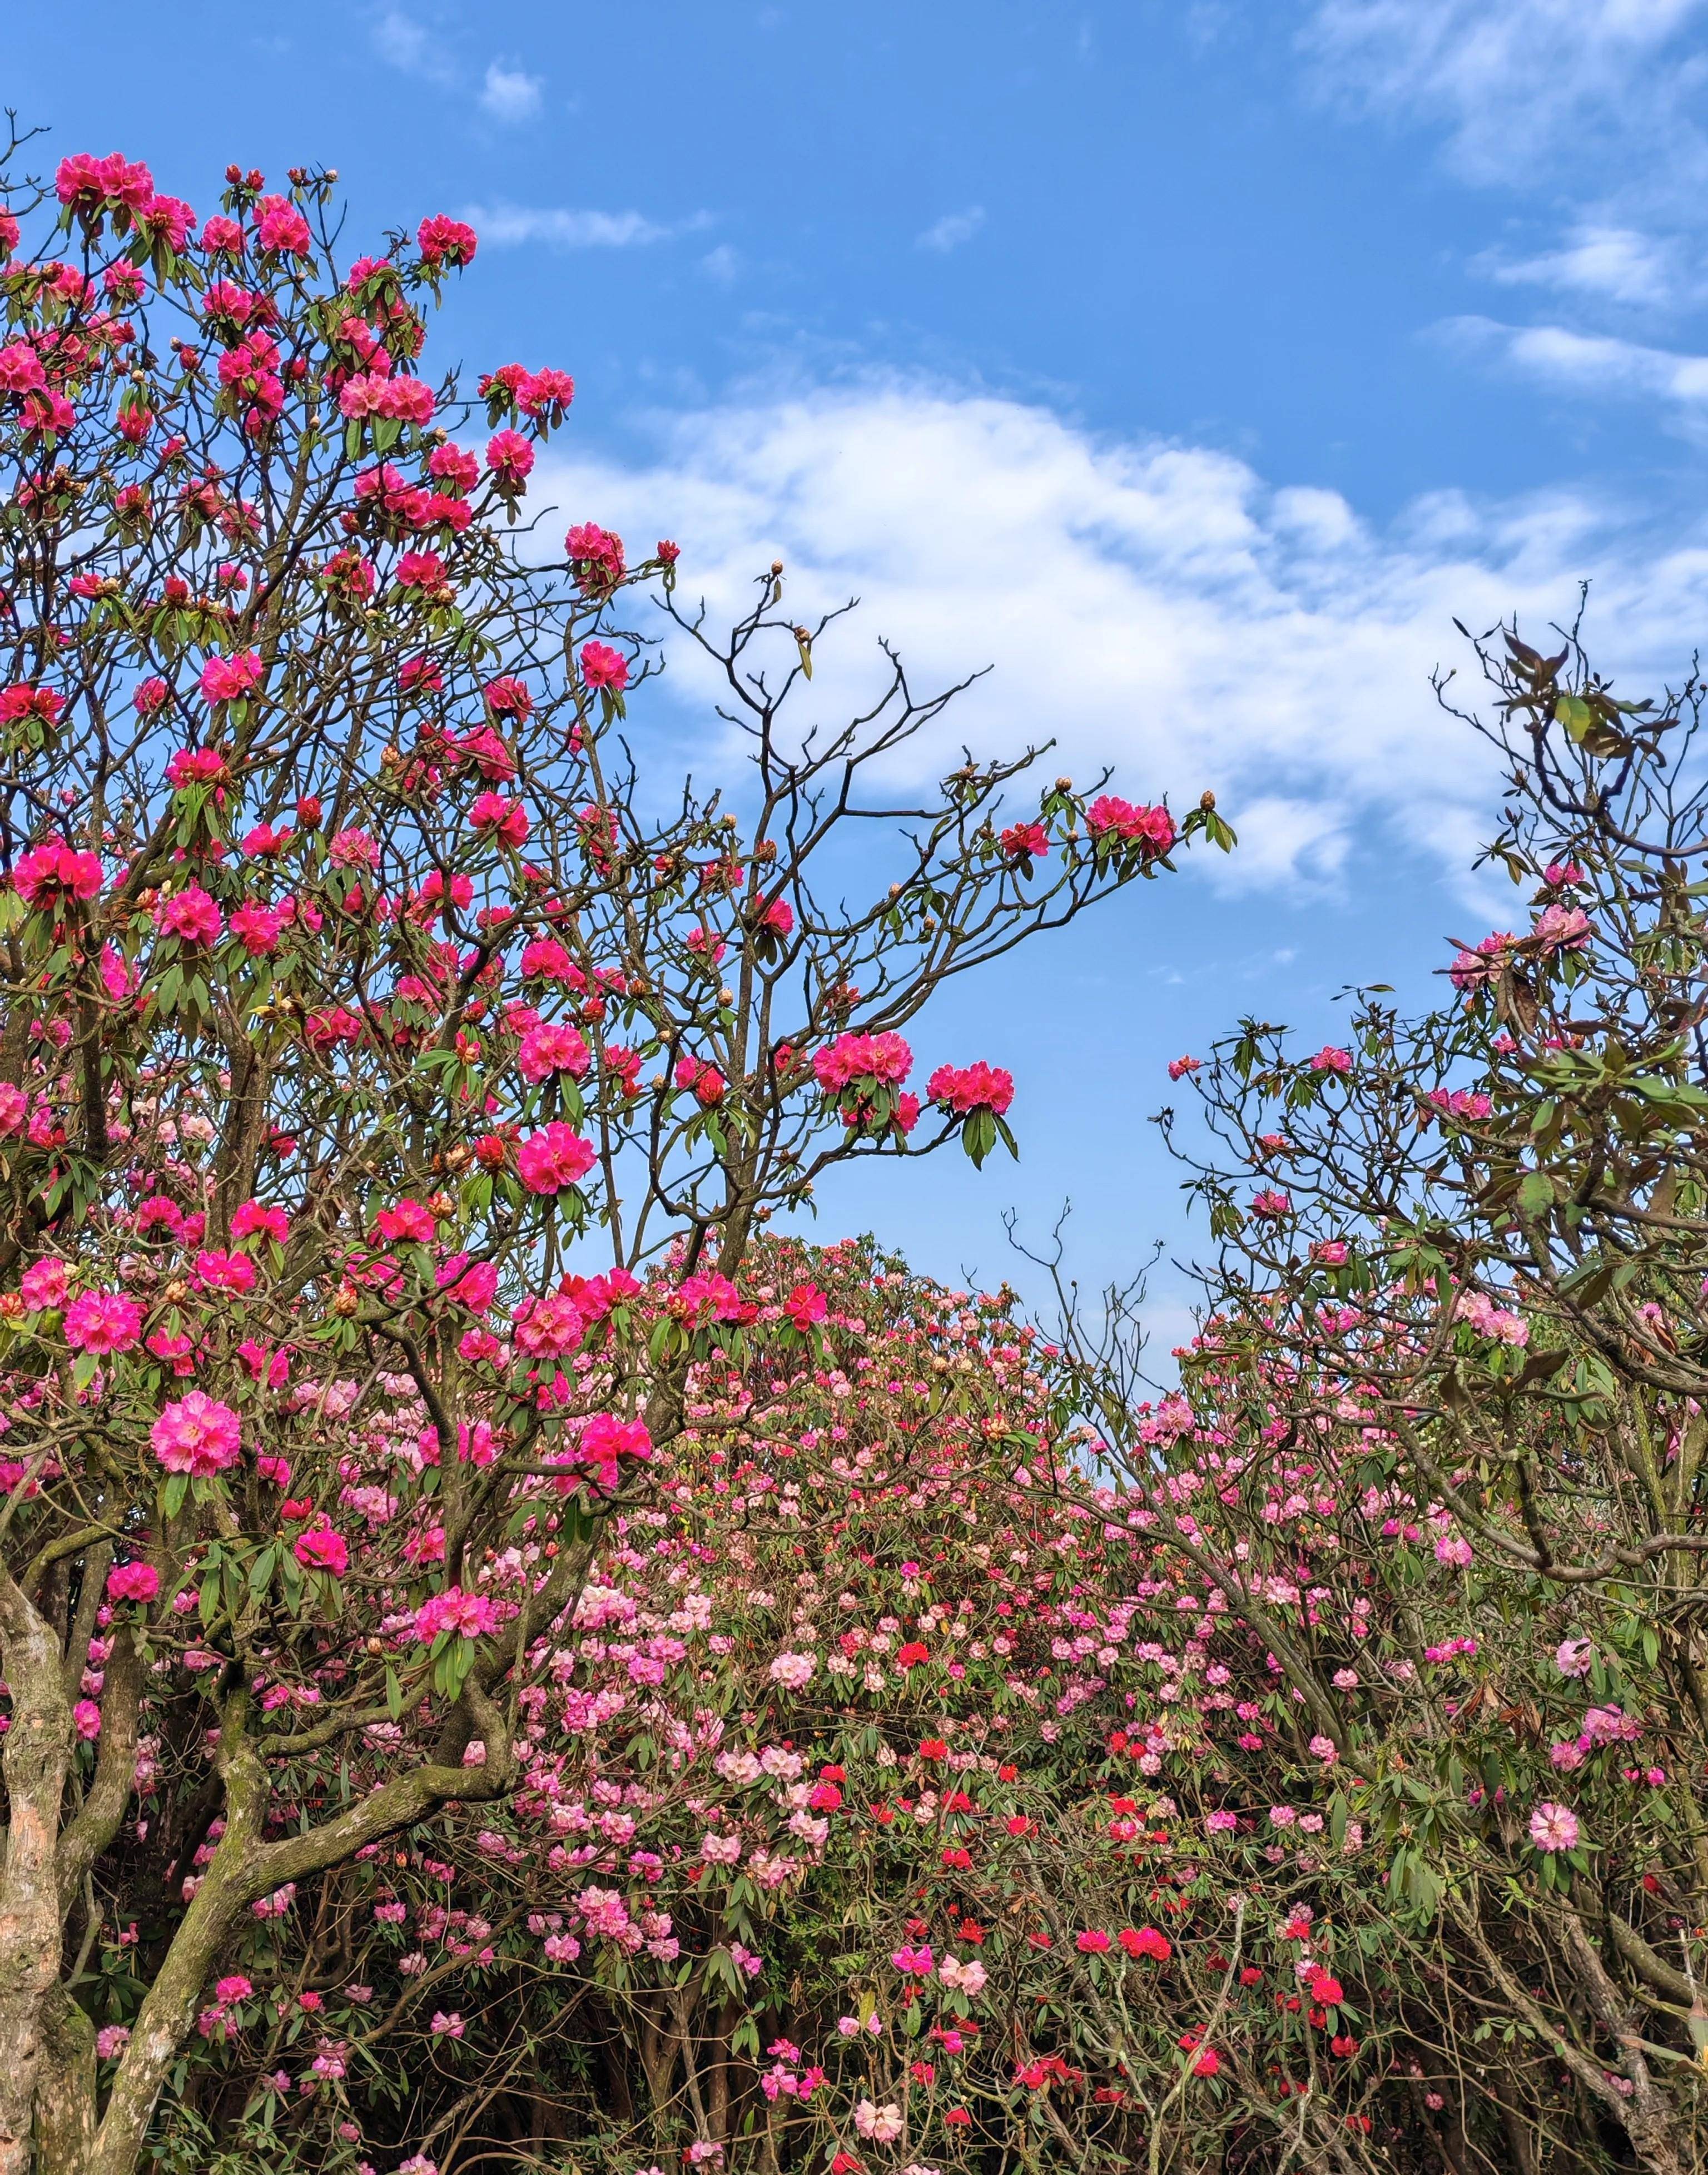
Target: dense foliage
point(394, 1082)
point(511, 1660)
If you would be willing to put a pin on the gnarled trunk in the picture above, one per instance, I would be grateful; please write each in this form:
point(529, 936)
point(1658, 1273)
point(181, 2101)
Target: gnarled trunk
point(65, 2088)
point(36, 1761)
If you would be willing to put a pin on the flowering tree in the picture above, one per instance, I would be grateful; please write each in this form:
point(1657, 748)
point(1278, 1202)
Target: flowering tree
point(1461, 1318)
point(360, 1001)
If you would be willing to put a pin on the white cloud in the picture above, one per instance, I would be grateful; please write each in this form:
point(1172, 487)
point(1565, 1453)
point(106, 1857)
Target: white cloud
point(1154, 605)
point(1517, 80)
point(1615, 263)
point(404, 44)
point(953, 229)
point(1594, 364)
point(1593, 105)
point(510, 94)
point(509, 225)
point(722, 264)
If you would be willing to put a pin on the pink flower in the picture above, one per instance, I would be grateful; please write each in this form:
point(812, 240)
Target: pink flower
point(1179, 1067)
point(1092, 1943)
point(605, 1440)
point(281, 226)
point(231, 679)
point(1572, 1658)
point(545, 393)
point(421, 570)
point(198, 1435)
point(469, 1615)
point(550, 1048)
point(320, 1548)
point(20, 369)
point(196, 766)
point(84, 183)
point(443, 240)
point(103, 1321)
point(22, 700)
point(554, 1158)
point(44, 1284)
point(602, 666)
point(474, 1286)
point(1271, 1204)
point(510, 456)
point(504, 820)
point(1151, 829)
point(48, 874)
point(190, 915)
point(87, 1717)
point(255, 1219)
point(410, 1221)
point(884, 1059)
point(1331, 1060)
point(806, 1306)
point(1553, 1828)
point(234, 1988)
point(971, 1088)
point(132, 1581)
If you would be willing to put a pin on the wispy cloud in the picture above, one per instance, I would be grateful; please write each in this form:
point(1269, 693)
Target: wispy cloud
point(953, 229)
point(510, 94)
point(509, 226)
point(1160, 606)
point(1612, 263)
point(1520, 81)
point(1592, 108)
point(1592, 364)
point(404, 44)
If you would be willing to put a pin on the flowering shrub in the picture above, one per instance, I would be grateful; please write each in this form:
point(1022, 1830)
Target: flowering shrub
point(390, 1104)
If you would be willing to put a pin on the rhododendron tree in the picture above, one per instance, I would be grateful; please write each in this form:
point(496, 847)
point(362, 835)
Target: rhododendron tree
point(1459, 1323)
point(393, 1082)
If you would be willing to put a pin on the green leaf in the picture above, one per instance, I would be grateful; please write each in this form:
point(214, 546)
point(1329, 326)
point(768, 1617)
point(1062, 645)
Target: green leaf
point(1575, 714)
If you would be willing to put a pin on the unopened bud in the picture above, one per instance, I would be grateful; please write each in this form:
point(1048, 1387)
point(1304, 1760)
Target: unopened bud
point(777, 566)
point(726, 996)
point(347, 1303)
point(1064, 785)
point(1206, 798)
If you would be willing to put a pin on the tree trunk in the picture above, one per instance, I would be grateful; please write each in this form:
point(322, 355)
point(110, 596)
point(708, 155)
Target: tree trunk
point(36, 1761)
point(65, 2091)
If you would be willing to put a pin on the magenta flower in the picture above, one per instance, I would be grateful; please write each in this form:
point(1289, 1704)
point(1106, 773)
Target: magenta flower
point(198, 1435)
point(554, 1157)
point(103, 1321)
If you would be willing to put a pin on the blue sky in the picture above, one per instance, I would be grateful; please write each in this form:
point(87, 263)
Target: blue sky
point(1193, 362)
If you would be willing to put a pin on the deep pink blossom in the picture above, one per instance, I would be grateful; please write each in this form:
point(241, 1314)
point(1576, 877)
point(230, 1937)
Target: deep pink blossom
point(554, 1158)
point(103, 1321)
point(198, 1435)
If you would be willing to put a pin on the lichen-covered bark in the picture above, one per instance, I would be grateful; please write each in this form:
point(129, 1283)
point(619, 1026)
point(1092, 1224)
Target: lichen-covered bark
point(65, 2088)
point(36, 1761)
